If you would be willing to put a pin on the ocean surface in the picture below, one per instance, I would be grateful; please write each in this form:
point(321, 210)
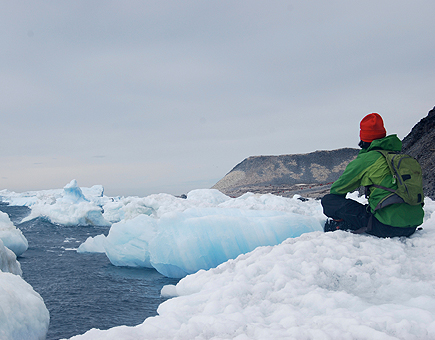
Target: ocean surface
point(83, 291)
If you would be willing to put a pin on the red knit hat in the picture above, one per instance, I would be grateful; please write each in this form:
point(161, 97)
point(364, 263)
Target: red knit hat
point(372, 127)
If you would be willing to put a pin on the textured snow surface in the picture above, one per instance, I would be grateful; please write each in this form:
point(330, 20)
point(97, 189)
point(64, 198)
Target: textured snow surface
point(316, 286)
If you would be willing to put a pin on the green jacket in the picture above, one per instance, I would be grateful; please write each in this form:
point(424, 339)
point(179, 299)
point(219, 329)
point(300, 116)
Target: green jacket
point(370, 167)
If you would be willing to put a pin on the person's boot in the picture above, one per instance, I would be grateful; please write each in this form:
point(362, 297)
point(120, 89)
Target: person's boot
point(331, 225)
point(336, 224)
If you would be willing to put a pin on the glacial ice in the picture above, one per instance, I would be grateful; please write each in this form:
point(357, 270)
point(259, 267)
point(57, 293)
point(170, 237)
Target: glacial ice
point(12, 237)
point(70, 207)
point(23, 314)
point(179, 237)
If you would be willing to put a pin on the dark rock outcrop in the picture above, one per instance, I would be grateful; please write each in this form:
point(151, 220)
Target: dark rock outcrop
point(420, 144)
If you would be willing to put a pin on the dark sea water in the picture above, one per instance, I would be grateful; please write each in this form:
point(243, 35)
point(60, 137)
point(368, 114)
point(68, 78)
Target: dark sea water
point(83, 291)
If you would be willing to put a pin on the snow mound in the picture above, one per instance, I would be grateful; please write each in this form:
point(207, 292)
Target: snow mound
point(12, 237)
point(23, 314)
point(8, 261)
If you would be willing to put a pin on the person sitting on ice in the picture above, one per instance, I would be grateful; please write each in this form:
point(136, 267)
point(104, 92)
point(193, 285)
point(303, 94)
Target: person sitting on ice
point(370, 167)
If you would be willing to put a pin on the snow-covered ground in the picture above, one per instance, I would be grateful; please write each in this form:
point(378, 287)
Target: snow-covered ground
point(291, 281)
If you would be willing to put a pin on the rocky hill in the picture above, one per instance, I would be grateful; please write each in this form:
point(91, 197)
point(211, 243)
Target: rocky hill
point(306, 174)
point(420, 143)
point(312, 174)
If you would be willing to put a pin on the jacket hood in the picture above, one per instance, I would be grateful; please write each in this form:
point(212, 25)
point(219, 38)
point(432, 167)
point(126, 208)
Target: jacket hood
point(391, 143)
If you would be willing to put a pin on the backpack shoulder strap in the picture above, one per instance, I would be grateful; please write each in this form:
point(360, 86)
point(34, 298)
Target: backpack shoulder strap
point(393, 197)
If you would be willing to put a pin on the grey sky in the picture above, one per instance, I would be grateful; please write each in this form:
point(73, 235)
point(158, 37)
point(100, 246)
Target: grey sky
point(168, 96)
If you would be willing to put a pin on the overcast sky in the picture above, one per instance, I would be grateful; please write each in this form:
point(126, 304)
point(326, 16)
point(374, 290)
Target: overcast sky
point(168, 96)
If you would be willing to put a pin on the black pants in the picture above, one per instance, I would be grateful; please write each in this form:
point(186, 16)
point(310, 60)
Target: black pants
point(356, 215)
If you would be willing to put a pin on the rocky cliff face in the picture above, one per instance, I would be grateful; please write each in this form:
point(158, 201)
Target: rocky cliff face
point(287, 174)
point(420, 143)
